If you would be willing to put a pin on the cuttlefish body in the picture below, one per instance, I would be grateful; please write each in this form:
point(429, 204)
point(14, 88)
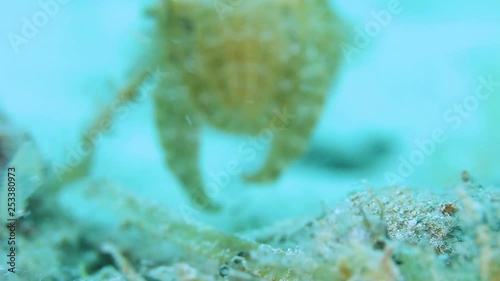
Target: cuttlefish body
point(242, 68)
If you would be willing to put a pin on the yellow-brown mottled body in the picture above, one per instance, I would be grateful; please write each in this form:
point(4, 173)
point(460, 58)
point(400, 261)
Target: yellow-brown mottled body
point(260, 64)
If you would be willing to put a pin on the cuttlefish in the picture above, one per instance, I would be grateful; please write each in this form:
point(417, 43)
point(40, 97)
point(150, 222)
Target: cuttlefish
point(243, 67)
point(239, 66)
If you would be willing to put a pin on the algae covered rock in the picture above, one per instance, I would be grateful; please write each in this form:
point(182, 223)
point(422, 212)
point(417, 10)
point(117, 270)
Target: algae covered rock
point(395, 233)
point(389, 234)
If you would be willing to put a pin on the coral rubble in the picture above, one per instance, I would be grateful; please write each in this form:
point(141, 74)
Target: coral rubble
point(395, 233)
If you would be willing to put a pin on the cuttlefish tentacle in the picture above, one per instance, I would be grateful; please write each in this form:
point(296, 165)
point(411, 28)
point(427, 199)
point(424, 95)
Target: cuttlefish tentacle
point(179, 127)
point(298, 116)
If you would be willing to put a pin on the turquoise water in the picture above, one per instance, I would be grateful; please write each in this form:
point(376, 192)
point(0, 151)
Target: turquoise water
point(415, 103)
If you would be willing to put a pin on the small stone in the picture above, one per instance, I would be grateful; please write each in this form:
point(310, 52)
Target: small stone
point(224, 271)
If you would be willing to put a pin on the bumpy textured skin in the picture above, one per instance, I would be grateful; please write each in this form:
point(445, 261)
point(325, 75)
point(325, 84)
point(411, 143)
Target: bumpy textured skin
point(256, 65)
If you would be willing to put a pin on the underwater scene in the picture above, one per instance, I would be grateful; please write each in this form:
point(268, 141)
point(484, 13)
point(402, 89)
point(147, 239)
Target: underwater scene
point(205, 140)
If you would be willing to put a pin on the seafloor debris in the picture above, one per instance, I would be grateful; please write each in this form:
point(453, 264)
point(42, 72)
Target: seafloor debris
point(385, 234)
point(10, 140)
point(21, 169)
